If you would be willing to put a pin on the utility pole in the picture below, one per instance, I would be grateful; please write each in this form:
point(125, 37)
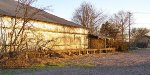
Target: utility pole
point(129, 28)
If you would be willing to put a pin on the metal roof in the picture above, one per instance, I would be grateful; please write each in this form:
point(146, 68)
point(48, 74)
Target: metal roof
point(8, 8)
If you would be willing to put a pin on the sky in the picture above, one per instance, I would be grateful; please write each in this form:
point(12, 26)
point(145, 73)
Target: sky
point(65, 8)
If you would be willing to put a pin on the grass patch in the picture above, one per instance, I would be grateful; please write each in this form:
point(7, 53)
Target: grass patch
point(38, 66)
point(84, 65)
point(52, 65)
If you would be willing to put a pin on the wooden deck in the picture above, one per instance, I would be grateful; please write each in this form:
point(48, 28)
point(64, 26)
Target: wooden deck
point(87, 51)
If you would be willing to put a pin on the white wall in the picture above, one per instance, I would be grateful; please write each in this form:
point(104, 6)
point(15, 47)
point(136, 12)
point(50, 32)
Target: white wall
point(65, 37)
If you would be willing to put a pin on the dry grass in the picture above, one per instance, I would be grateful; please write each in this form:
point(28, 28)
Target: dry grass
point(111, 59)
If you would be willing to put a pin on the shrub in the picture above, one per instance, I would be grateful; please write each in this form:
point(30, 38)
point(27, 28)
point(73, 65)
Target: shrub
point(12, 54)
point(122, 48)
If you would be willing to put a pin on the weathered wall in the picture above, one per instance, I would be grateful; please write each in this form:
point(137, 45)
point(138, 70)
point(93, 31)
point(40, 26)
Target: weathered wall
point(62, 37)
point(96, 43)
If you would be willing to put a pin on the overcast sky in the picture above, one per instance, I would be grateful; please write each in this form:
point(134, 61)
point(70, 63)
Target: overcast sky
point(65, 8)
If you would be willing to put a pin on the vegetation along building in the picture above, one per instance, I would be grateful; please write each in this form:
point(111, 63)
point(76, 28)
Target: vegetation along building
point(25, 27)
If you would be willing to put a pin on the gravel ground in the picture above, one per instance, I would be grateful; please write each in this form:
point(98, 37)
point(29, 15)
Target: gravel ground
point(135, 62)
point(143, 69)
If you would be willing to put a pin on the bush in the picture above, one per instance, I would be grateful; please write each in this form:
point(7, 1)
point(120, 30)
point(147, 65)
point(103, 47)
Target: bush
point(122, 48)
point(1, 56)
point(54, 54)
point(12, 54)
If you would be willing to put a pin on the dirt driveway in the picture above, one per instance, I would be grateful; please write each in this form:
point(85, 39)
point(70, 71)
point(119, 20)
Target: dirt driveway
point(135, 62)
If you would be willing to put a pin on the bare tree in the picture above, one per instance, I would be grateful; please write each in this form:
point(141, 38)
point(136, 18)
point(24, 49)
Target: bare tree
point(121, 20)
point(87, 16)
point(20, 24)
point(137, 33)
point(109, 30)
point(3, 36)
point(23, 8)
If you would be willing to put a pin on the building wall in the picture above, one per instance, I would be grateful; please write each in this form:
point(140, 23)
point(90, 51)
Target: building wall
point(62, 37)
point(143, 42)
point(97, 43)
point(144, 39)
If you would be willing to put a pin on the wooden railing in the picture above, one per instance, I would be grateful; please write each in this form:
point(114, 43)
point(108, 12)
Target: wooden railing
point(87, 51)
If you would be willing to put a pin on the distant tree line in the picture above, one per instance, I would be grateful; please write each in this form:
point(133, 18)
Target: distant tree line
point(115, 27)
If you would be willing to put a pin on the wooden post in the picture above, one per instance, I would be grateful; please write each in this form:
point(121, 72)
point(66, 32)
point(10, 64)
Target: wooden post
point(79, 52)
point(105, 42)
point(99, 50)
point(87, 51)
point(69, 52)
point(94, 51)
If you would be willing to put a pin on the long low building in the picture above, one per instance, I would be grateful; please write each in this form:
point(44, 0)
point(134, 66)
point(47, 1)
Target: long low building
point(39, 25)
